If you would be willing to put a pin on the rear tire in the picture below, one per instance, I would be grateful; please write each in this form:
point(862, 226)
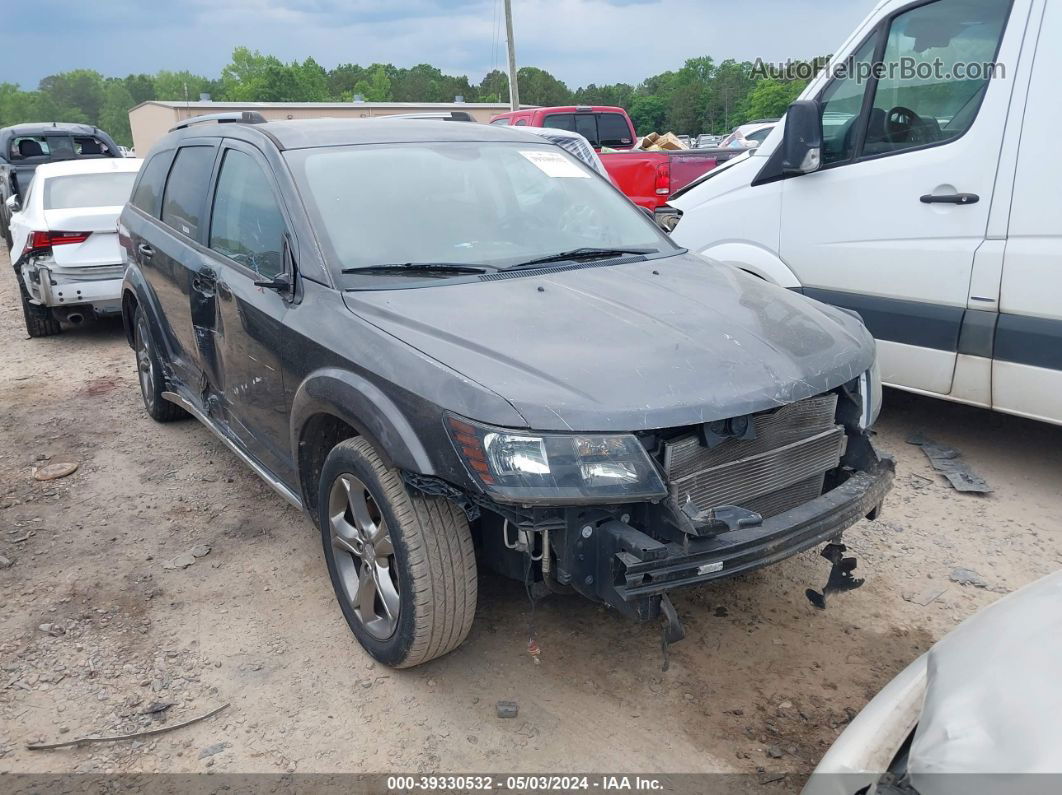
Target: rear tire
point(40, 321)
point(402, 565)
point(149, 373)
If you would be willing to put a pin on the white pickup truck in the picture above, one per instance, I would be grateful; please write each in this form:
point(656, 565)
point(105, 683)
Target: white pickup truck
point(916, 182)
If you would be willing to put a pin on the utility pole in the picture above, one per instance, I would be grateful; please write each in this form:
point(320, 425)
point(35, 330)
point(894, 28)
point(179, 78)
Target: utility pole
point(514, 89)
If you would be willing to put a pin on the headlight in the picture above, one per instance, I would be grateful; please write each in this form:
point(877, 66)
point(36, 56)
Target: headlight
point(870, 391)
point(538, 468)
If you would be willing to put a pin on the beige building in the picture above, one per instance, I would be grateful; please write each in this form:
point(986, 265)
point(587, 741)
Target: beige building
point(151, 120)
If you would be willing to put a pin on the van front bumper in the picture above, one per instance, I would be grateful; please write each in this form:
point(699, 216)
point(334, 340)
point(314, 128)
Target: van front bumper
point(618, 564)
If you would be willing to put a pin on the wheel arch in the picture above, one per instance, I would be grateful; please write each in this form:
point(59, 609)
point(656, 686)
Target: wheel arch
point(754, 259)
point(332, 405)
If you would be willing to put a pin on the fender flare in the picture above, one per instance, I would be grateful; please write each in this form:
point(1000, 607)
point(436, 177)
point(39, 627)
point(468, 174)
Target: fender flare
point(134, 284)
point(362, 405)
point(755, 259)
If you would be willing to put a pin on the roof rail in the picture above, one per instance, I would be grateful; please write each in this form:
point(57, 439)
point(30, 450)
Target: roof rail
point(235, 117)
point(453, 115)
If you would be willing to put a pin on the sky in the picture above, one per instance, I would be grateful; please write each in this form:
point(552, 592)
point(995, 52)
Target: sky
point(578, 41)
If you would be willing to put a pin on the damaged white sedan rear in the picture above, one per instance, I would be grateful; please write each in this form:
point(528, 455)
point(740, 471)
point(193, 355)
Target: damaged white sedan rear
point(65, 243)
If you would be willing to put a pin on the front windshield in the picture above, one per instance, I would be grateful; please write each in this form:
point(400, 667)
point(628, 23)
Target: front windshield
point(494, 205)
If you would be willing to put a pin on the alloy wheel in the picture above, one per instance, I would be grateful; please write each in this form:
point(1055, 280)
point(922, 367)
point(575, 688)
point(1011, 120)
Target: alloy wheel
point(364, 556)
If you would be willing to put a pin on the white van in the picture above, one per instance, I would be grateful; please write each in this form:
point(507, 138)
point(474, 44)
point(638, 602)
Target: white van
point(924, 193)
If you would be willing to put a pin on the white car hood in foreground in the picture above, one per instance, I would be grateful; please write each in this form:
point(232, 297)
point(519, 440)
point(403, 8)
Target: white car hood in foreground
point(993, 699)
point(987, 701)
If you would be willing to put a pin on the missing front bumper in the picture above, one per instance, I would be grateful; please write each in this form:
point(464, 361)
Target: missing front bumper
point(614, 562)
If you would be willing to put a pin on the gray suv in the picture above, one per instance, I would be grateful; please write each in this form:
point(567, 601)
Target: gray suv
point(441, 339)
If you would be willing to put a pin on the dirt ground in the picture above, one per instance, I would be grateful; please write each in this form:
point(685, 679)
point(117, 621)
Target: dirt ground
point(95, 630)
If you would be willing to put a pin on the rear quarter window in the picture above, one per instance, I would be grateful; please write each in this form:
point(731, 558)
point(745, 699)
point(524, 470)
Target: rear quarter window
point(148, 190)
point(186, 188)
point(501, 122)
point(91, 146)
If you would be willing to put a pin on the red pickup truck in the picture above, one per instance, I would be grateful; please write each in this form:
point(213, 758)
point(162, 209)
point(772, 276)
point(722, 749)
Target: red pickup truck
point(646, 178)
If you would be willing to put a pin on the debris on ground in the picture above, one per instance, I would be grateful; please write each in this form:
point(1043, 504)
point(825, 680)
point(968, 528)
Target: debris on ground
point(213, 750)
point(507, 709)
point(968, 577)
point(948, 462)
point(923, 598)
point(5, 562)
point(119, 737)
point(186, 559)
point(55, 471)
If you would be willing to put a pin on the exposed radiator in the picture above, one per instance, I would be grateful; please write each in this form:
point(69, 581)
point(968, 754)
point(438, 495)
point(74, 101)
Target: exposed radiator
point(782, 467)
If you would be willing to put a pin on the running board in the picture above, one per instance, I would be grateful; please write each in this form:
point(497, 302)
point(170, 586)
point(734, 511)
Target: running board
point(259, 470)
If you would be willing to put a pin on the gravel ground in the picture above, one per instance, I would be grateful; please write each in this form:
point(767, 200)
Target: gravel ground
point(97, 630)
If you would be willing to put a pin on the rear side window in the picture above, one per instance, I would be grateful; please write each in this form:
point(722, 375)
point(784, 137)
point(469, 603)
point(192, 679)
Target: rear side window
point(246, 225)
point(29, 147)
point(88, 190)
point(501, 122)
point(600, 129)
point(612, 130)
point(91, 146)
point(149, 189)
point(182, 201)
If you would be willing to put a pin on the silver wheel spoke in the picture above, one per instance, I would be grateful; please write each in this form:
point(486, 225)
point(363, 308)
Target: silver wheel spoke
point(383, 546)
point(342, 544)
point(359, 508)
point(365, 599)
point(386, 589)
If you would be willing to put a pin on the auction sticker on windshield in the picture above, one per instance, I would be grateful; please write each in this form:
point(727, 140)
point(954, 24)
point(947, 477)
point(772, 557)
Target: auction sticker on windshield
point(553, 164)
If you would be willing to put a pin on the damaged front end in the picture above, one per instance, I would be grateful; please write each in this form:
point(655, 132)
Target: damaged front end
point(690, 505)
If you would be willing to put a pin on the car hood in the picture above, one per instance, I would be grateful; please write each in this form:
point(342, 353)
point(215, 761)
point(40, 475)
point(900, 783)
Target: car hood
point(663, 343)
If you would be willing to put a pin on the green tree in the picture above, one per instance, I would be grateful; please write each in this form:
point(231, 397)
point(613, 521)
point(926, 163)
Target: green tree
point(494, 87)
point(78, 90)
point(114, 114)
point(648, 112)
point(770, 98)
point(179, 86)
point(140, 87)
point(539, 87)
point(376, 87)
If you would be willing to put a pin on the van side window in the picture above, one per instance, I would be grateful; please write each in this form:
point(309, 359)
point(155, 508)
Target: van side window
point(842, 101)
point(149, 188)
point(183, 199)
point(246, 225)
point(942, 54)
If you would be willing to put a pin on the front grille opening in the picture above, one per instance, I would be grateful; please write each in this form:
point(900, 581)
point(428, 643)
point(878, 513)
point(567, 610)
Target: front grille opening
point(782, 467)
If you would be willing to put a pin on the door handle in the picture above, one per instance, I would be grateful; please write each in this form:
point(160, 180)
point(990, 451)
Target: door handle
point(951, 198)
point(145, 250)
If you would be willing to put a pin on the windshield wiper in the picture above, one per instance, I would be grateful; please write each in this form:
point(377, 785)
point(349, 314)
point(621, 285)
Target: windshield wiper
point(583, 254)
point(420, 267)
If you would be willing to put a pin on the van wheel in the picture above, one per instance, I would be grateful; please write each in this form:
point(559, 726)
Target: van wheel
point(40, 321)
point(402, 566)
point(149, 373)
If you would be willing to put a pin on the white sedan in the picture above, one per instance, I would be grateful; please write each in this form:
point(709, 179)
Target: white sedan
point(65, 241)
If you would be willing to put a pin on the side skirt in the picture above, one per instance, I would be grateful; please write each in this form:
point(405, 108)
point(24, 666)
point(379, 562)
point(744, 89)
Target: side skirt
point(259, 470)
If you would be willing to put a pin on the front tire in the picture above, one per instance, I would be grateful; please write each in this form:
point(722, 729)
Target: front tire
point(149, 373)
point(402, 566)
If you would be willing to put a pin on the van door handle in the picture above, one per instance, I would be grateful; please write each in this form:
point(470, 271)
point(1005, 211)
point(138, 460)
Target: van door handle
point(146, 251)
point(951, 198)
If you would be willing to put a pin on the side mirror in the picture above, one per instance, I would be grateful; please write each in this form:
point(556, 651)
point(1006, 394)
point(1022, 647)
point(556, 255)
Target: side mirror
point(13, 204)
point(802, 144)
